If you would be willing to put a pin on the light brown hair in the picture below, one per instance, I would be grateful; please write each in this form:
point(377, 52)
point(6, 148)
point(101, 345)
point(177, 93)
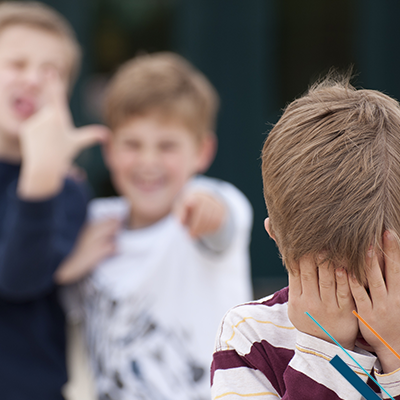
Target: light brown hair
point(164, 83)
point(331, 173)
point(41, 16)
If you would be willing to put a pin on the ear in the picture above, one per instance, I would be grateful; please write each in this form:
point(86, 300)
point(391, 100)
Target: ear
point(268, 229)
point(208, 150)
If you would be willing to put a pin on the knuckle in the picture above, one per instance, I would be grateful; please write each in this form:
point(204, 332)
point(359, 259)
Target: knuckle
point(325, 284)
point(342, 295)
point(377, 284)
point(307, 276)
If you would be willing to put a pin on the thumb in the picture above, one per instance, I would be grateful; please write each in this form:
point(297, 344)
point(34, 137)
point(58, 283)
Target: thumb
point(186, 209)
point(89, 135)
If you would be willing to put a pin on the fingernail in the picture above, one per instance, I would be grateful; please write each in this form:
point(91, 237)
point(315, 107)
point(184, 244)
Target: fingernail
point(339, 272)
point(370, 253)
point(389, 235)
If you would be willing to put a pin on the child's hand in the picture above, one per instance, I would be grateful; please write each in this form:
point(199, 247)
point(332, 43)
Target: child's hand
point(381, 309)
point(330, 303)
point(201, 212)
point(95, 243)
point(49, 142)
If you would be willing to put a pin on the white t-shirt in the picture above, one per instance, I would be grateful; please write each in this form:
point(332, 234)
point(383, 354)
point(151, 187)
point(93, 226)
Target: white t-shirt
point(152, 310)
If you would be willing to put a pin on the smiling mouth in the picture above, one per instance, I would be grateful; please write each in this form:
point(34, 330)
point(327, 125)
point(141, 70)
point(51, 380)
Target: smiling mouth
point(149, 185)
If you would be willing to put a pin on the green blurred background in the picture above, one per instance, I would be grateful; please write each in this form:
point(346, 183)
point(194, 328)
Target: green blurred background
point(259, 54)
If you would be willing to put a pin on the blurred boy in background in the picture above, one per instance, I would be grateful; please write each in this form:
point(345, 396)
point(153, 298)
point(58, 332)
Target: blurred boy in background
point(181, 255)
point(41, 211)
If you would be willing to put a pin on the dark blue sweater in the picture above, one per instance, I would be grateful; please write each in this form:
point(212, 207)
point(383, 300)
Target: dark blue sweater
point(34, 239)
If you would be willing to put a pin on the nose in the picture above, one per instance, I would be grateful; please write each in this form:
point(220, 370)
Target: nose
point(149, 157)
point(34, 77)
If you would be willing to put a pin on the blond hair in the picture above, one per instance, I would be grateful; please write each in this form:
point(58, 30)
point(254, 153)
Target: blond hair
point(41, 16)
point(164, 83)
point(331, 173)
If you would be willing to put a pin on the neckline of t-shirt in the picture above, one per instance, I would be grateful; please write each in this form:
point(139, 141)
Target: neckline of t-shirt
point(148, 229)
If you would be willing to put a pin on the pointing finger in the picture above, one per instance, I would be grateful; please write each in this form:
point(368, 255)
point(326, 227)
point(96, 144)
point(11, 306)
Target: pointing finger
point(89, 135)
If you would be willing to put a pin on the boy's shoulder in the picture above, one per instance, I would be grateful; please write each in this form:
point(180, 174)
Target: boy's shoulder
point(254, 321)
point(108, 207)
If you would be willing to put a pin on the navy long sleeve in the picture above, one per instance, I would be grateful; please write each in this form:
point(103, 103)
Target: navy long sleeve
point(35, 236)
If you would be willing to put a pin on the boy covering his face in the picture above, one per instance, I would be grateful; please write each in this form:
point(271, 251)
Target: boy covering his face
point(331, 168)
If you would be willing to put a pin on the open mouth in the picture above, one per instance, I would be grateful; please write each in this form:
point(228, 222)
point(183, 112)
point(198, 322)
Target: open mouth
point(24, 107)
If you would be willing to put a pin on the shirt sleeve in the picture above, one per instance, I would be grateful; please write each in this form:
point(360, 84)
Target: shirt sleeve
point(390, 382)
point(36, 237)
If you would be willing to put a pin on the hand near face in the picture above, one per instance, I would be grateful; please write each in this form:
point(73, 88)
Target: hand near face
point(49, 142)
point(325, 294)
point(201, 213)
point(95, 243)
point(381, 308)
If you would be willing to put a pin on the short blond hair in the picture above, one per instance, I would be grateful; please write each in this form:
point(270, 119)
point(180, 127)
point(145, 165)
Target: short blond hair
point(164, 83)
point(331, 173)
point(41, 16)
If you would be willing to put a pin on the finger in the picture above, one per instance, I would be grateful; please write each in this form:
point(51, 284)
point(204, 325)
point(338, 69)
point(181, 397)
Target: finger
point(104, 228)
point(309, 277)
point(343, 293)
point(376, 283)
point(294, 282)
point(392, 262)
point(183, 211)
point(215, 221)
point(88, 136)
point(55, 95)
point(327, 285)
point(198, 221)
point(360, 295)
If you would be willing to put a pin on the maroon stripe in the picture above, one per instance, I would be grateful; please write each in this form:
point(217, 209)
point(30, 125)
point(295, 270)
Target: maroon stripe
point(227, 359)
point(279, 297)
point(271, 361)
point(302, 387)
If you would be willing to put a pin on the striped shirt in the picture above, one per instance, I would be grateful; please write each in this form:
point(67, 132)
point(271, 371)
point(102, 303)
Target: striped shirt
point(259, 354)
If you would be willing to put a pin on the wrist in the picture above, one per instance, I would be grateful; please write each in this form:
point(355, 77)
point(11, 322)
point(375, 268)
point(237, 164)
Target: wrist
point(38, 182)
point(388, 360)
point(70, 271)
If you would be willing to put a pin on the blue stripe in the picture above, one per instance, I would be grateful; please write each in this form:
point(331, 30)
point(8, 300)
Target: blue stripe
point(354, 379)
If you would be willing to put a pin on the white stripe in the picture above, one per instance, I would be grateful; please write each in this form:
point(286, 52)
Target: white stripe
point(243, 381)
point(249, 323)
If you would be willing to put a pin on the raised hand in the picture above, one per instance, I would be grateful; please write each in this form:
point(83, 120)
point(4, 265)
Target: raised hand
point(201, 212)
point(325, 294)
point(49, 142)
point(381, 308)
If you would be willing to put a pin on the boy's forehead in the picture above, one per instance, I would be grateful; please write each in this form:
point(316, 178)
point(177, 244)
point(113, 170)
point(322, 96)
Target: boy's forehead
point(23, 40)
point(155, 124)
point(13, 32)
